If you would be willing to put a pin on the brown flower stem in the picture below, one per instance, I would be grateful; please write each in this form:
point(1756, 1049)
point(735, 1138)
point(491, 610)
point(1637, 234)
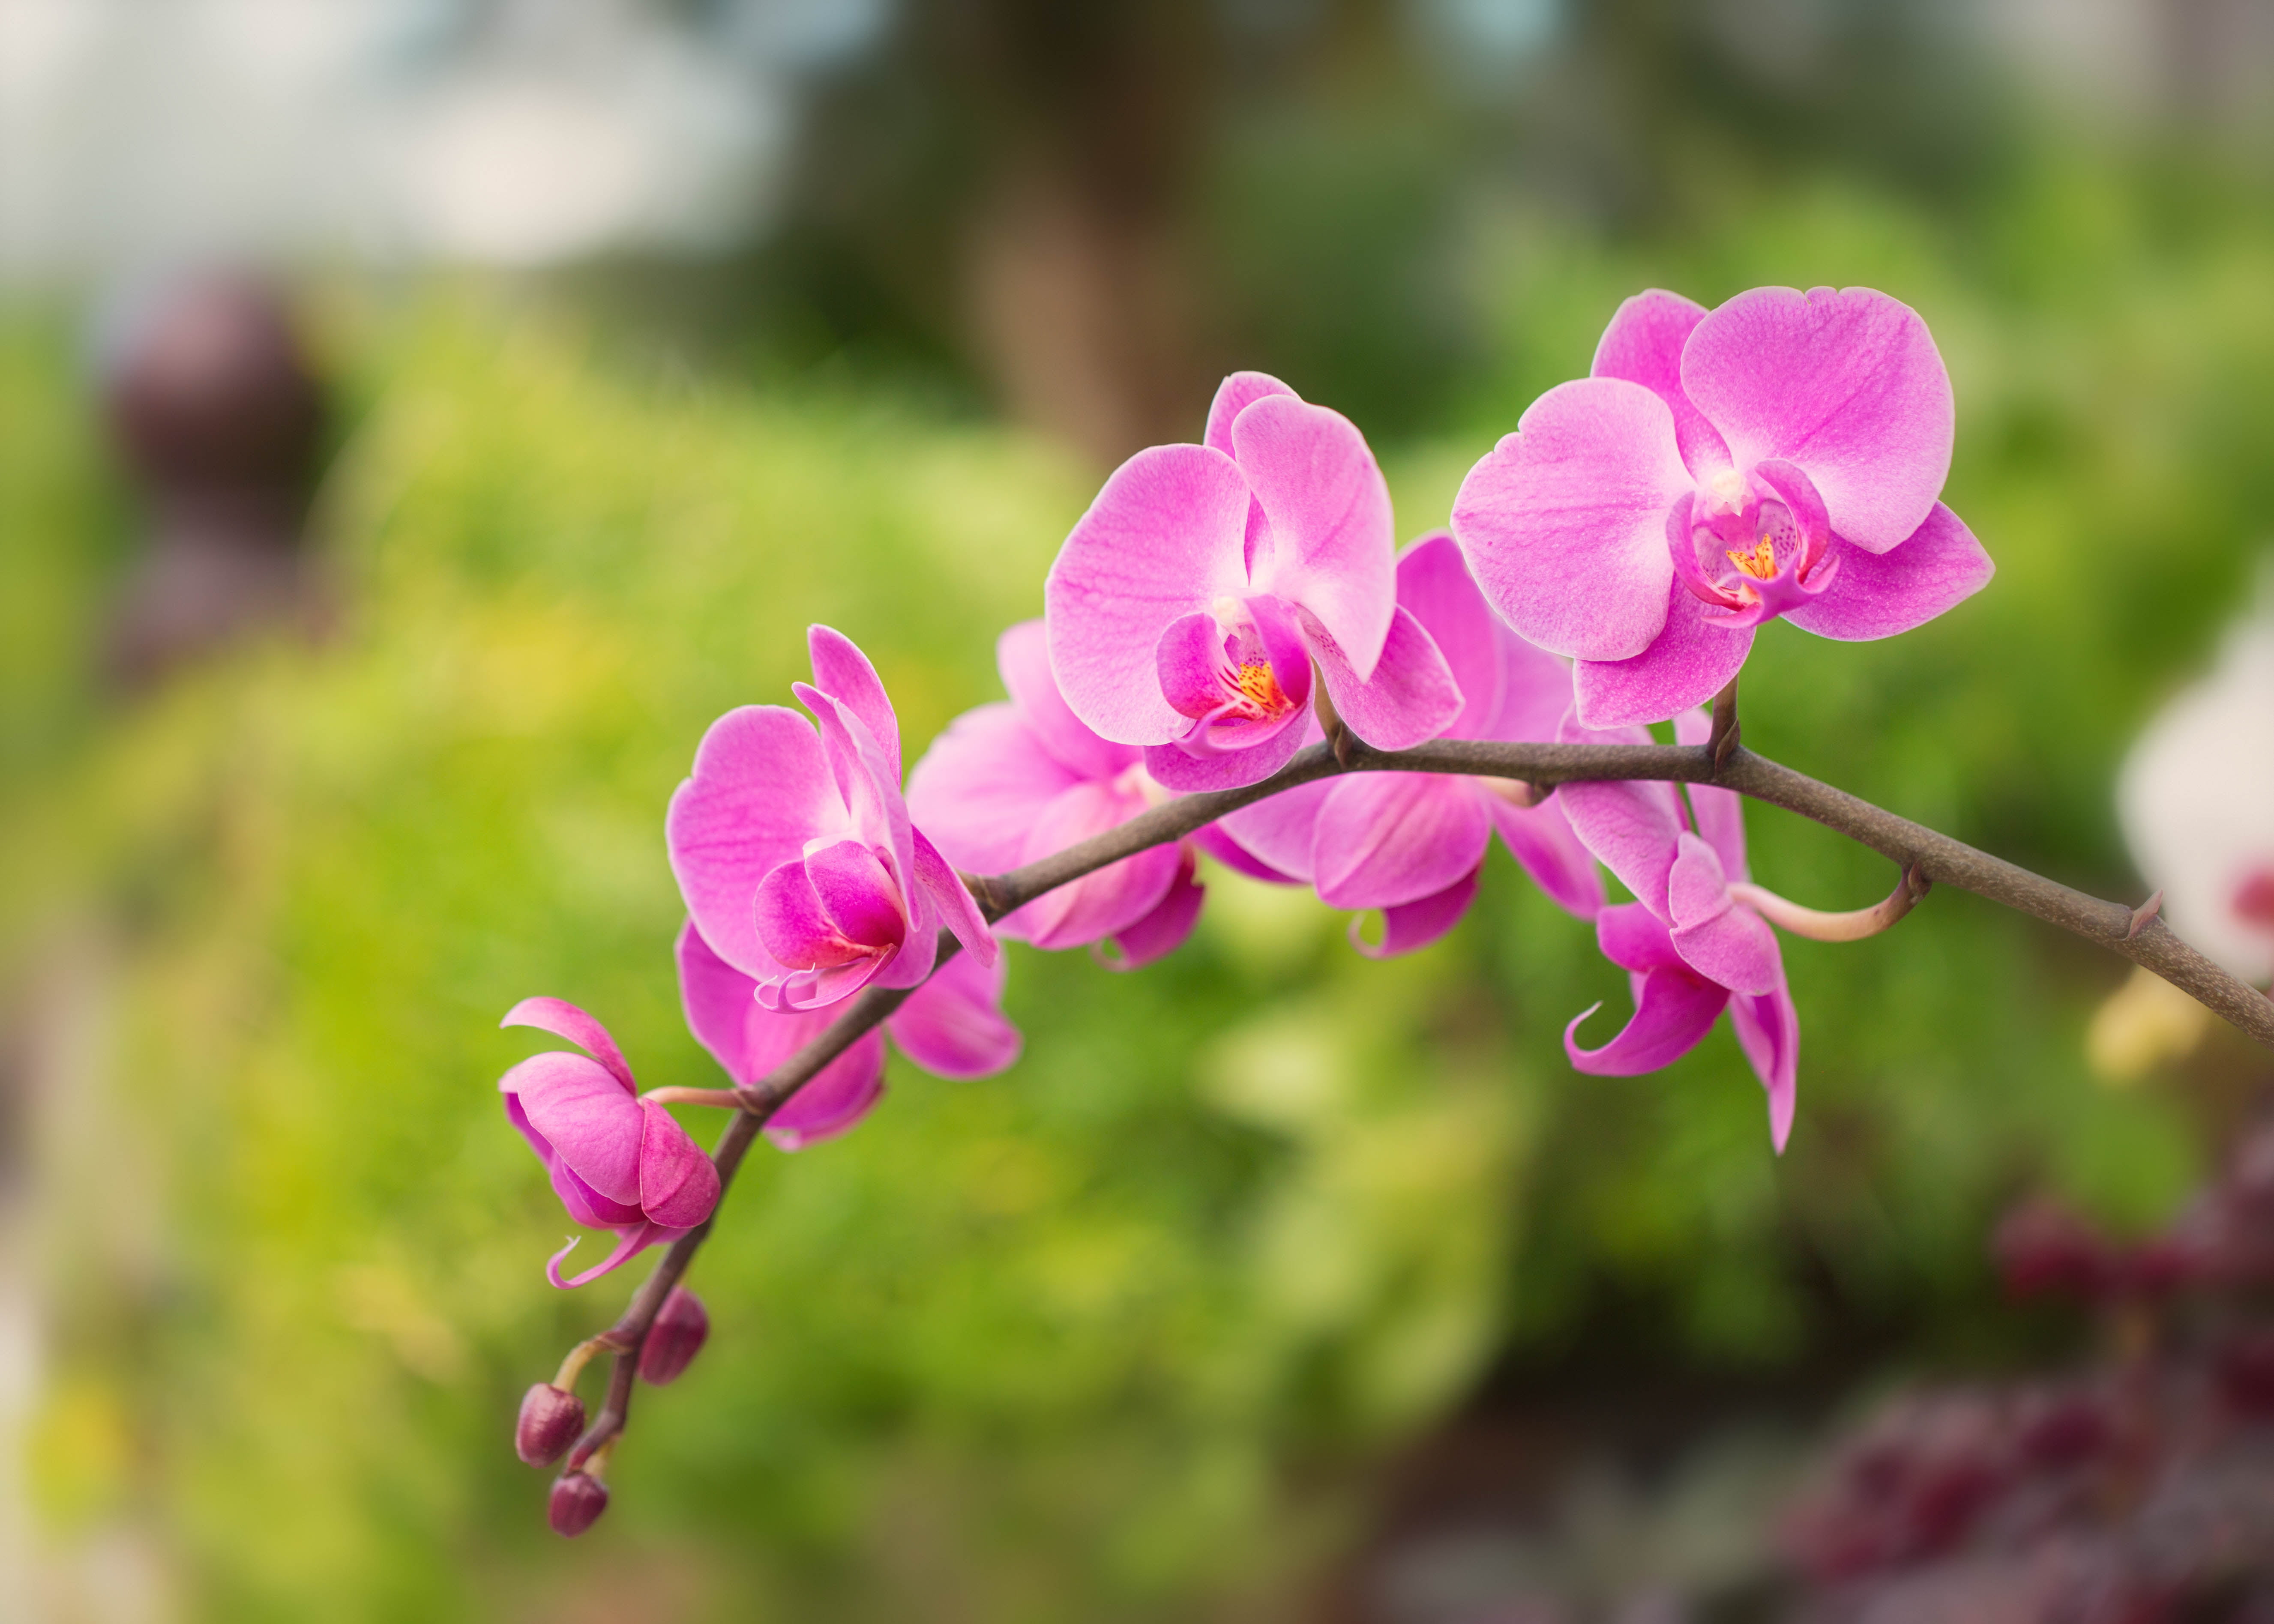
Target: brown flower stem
point(1924, 855)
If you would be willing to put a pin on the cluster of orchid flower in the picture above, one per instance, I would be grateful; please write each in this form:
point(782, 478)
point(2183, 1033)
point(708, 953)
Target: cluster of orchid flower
point(1219, 606)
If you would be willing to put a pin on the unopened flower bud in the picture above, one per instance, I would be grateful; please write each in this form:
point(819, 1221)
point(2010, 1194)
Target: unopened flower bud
point(675, 1337)
point(578, 1499)
point(2045, 1250)
point(551, 1418)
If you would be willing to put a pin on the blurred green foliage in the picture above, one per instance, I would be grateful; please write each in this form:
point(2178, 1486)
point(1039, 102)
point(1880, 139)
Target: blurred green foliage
point(1105, 1337)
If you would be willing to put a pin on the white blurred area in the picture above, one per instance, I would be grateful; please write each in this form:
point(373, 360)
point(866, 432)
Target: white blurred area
point(137, 135)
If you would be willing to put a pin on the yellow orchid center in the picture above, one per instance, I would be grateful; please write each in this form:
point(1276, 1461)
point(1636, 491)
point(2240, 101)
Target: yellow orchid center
point(1760, 563)
point(1260, 687)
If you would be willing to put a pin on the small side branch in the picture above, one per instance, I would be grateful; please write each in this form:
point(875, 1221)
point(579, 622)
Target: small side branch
point(1818, 926)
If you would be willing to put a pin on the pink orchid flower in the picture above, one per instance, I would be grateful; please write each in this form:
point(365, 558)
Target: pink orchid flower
point(1011, 783)
point(794, 851)
point(617, 1162)
point(1189, 605)
point(1413, 844)
point(1780, 456)
point(1693, 943)
point(952, 1026)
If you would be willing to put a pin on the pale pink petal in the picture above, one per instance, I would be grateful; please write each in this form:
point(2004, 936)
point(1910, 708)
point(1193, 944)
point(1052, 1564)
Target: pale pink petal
point(1332, 538)
point(1722, 940)
point(1717, 814)
point(761, 788)
point(564, 1020)
point(1412, 697)
point(1235, 395)
point(1674, 1009)
point(1107, 901)
point(1164, 537)
point(1416, 924)
point(1535, 691)
point(1691, 660)
point(1564, 520)
point(1877, 594)
point(952, 901)
point(1174, 769)
point(869, 783)
point(678, 1185)
point(977, 789)
point(1277, 831)
point(588, 1117)
point(1768, 1030)
point(1163, 930)
point(1643, 345)
point(843, 672)
point(1389, 837)
point(836, 1099)
point(1848, 384)
point(1543, 843)
point(1630, 826)
point(1212, 841)
point(1022, 654)
point(1434, 587)
point(952, 1026)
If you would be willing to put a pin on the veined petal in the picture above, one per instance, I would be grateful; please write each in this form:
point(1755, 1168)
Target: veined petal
point(723, 1012)
point(760, 789)
point(1165, 537)
point(1848, 384)
point(1674, 1009)
point(952, 902)
point(1632, 827)
point(1412, 926)
point(837, 1097)
point(1162, 930)
point(1634, 938)
point(1768, 1030)
point(678, 1185)
point(870, 784)
point(1719, 939)
point(564, 1020)
point(1173, 768)
point(1332, 538)
point(1535, 691)
point(1643, 345)
point(978, 790)
point(1190, 663)
point(794, 927)
point(1435, 587)
point(1278, 832)
point(1718, 815)
point(952, 1026)
point(1411, 698)
point(1877, 594)
point(856, 894)
point(588, 1117)
point(1384, 838)
point(1235, 395)
point(1544, 845)
point(1211, 841)
point(1107, 901)
point(1564, 520)
point(1022, 654)
point(1691, 660)
point(843, 672)
point(587, 1205)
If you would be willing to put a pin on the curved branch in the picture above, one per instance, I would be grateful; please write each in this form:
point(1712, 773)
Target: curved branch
point(1917, 849)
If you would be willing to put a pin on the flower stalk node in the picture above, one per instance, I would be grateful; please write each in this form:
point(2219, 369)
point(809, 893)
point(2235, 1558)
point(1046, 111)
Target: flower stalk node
point(1819, 926)
point(2143, 916)
point(1726, 729)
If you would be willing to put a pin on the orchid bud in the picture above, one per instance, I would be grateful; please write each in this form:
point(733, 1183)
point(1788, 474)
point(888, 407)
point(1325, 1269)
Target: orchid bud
point(551, 1418)
point(675, 1337)
point(578, 1499)
point(2045, 1250)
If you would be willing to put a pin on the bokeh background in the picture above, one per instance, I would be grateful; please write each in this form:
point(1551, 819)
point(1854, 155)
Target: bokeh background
point(419, 417)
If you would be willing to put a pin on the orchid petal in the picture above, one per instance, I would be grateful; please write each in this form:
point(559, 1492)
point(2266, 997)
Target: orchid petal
point(1173, 768)
point(587, 1116)
point(1768, 1030)
point(952, 901)
point(1107, 901)
point(1278, 830)
point(1384, 838)
point(1411, 925)
point(1634, 938)
point(1163, 930)
point(795, 928)
point(1691, 660)
point(1632, 826)
point(1435, 587)
point(1722, 940)
point(1412, 697)
point(564, 1020)
point(1643, 345)
point(1235, 395)
point(1848, 384)
point(1718, 815)
point(835, 1100)
point(976, 791)
point(952, 1026)
point(1332, 538)
point(630, 1242)
point(1674, 1010)
point(1564, 520)
point(1544, 846)
point(856, 894)
point(678, 1184)
point(1877, 594)
point(843, 672)
point(1164, 537)
point(1210, 840)
point(1023, 655)
point(586, 1205)
point(747, 1039)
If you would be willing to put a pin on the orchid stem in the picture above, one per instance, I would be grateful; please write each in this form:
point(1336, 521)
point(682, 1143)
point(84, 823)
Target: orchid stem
point(1818, 926)
point(1726, 729)
point(726, 1099)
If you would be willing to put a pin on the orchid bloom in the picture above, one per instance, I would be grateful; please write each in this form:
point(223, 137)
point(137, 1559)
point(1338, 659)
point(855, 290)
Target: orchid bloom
point(1189, 605)
point(1780, 455)
point(1413, 844)
point(1011, 783)
point(952, 1026)
point(794, 851)
point(617, 1162)
point(1694, 942)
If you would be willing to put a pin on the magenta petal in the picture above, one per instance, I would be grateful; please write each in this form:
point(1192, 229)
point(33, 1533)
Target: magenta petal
point(1535, 690)
point(1190, 663)
point(1848, 384)
point(1564, 520)
point(843, 672)
point(760, 789)
point(1235, 395)
point(794, 927)
point(1164, 537)
point(837, 1097)
point(856, 894)
point(1389, 837)
point(1716, 937)
point(1643, 345)
point(1278, 832)
point(585, 1115)
point(952, 1026)
point(1111, 898)
point(868, 784)
point(1412, 697)
point(1332, 538)
point(1768, 1030)
point(1877, 594)
point(1434, 587)
point(1691, 661)
point(630, 1241)
point(952, 900)
point(564, 1020)
point(1212, 841)
point(1673, 1010)
point(1718, 815)
point(678, 1184)
point(1634, 938)
point(1022, 654)
point(586, 1205)
point(1163, 930)
point(723, 1012)
point(977, 789)
point(1173, 768)
point(1631, 828)
point(1416, 924)
point(1543, 843)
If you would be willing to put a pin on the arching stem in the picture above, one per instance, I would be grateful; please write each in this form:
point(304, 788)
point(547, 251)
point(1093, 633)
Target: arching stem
point(1818, 926)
